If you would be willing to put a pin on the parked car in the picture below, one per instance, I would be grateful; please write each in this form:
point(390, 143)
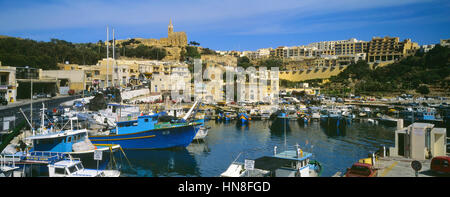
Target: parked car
point(361, 170)
point(42, 95)
point(440, 164)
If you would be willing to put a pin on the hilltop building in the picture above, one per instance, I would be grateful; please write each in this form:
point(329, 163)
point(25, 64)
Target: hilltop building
point(174, 43)
point(174, 39)
point(445, 42)
point(390, 49)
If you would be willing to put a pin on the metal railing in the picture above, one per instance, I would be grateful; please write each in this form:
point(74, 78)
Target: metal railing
point(4, 162)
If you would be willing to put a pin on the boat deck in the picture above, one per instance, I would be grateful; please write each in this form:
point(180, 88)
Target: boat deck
point(292, 155)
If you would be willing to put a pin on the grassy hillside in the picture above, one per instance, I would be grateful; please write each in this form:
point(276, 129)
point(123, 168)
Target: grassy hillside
point(46, 55)
point(413, 74)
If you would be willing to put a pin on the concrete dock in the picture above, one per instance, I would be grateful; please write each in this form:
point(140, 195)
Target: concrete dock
point(401, 167)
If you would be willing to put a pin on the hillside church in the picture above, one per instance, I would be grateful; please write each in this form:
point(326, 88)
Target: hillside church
point(174, 39)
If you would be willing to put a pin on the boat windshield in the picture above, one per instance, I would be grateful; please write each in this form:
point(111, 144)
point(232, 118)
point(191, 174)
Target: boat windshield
point(72, 169)
point(79, 166)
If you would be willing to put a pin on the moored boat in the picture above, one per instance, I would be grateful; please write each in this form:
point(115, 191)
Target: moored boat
point(280, 121)
point(156, 131)
point(289, 163)
point(74, 168)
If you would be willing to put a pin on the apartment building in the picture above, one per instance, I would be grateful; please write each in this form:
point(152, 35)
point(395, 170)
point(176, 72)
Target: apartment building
point(390, 49)
point(351, 47)
point(445, 42)
point(166, 77)
point(8, 84)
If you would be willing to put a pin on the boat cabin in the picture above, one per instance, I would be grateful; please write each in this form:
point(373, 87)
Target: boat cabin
point(146, 122)
point(71, 168)
point(62, 141)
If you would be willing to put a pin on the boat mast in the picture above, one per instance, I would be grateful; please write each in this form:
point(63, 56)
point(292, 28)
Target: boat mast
point(285, 118)
point(107, 56)
point(42, 117)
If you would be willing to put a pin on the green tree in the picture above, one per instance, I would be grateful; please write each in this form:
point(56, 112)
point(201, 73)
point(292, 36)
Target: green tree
point(424, 90)
point(190, 52)
point(244, 62)
point(193, 43)
point(271, 62)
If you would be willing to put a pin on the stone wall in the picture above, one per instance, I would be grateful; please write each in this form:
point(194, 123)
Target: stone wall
point(313, 73)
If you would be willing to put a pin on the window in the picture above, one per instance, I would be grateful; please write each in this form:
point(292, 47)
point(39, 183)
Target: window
point(60, 171)
point(79, 166)
point(72, 169)
point(69, 139)
point(445, 163)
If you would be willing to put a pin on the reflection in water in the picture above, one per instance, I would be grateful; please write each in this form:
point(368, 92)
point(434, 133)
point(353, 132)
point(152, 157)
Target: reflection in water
point(334, 149)
point(198, 147)
point(156, 163)
point(280, 126)
point(331, 131)
point(242, 127)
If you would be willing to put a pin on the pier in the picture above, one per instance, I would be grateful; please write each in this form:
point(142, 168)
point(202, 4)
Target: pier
point(401, 167)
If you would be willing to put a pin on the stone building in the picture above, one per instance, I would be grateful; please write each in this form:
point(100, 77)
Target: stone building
point(389, 49)
point(173, 44)
point(174, 39)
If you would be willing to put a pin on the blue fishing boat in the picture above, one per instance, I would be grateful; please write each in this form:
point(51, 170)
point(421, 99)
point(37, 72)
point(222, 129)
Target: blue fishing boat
point(303, 116)
point(226, 116)
point(243, 118)
point(70, 141)
point(280, 121)
point(426, 114)
point(156, 131)
point(73, 142)
point(332, 118)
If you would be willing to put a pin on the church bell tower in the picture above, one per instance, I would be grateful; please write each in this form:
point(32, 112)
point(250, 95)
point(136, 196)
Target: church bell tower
point(170, 27)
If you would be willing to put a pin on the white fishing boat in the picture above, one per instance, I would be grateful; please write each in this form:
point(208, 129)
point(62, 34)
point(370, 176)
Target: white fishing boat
point(265, 115)
point(201, 133)
point(74, 168)
point(290, 163)
point(118, 112)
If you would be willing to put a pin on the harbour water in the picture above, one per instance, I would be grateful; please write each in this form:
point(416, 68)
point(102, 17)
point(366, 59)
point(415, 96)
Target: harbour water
point(335, 149)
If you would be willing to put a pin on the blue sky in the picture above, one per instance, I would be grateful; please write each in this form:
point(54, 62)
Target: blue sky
point(228, 24)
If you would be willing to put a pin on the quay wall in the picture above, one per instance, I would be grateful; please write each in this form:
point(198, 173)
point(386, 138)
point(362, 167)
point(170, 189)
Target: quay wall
point(314, 73)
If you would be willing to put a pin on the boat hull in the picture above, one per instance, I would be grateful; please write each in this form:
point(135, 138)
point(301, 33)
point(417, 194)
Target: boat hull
point(161, 138)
